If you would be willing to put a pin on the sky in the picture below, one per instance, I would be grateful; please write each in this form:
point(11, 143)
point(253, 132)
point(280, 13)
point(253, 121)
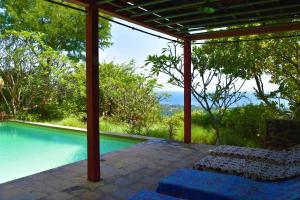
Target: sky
point(129, 44)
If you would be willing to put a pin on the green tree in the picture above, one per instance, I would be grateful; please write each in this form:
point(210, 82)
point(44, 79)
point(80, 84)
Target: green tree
point(125, 96)
point(132, 95)
point(30, 72)
point(253, 57)
point(3, 99)
point(172, 124)
point(63, 28)
point(214, 78)
point(284, 68)
point(276, 58)
point(75, 86)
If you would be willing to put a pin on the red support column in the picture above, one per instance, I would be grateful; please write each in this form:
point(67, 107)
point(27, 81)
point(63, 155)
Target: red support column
point(92, 77)
point(187, 90)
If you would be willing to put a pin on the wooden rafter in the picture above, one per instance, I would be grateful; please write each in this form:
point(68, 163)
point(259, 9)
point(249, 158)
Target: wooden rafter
point(240, 21)
point(110, 11)
point(81, 2)
point(183, 18)
point(141, 5)
point(273, 8)
point(185, 14)
point(237, 23)
point(100, 2)
point(170, 8)
point(247, 31)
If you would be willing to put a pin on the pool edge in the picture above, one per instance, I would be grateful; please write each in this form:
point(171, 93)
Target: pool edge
point(83, 130)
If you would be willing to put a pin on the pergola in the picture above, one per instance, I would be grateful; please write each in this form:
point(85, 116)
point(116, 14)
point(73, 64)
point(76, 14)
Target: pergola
point(186, 20)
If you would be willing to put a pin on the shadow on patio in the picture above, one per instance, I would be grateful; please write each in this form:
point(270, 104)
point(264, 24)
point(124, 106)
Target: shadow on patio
point(123, 173)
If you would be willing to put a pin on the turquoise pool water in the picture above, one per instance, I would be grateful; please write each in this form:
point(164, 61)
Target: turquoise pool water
point(26, 150)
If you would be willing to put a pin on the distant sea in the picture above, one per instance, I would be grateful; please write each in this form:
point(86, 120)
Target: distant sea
point(177, 98)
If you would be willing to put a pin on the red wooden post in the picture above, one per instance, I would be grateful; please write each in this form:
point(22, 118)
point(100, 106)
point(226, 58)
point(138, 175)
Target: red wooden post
point(187, 90)
point(92, 77)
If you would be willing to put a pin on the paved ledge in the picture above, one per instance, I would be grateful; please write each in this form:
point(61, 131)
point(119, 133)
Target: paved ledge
point(123, 173)
point(83, 130)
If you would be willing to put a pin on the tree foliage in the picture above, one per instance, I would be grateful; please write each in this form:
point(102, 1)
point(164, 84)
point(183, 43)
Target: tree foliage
point(246, 124)
point(284, 69)
point(277, 58)
point(63, 28)
point(214, 78)
point(125, 96)
point(30, 72)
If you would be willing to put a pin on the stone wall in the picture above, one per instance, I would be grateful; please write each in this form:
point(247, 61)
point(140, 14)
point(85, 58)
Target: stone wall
point(282, 134)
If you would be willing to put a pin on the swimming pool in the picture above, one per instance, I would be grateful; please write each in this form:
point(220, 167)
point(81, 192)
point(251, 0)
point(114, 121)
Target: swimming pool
point(27, 149)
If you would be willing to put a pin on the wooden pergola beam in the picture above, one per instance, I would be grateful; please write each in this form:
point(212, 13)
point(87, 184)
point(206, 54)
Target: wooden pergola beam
point(274, 8)
point(100, 2)
point(141, 5)
point(198, 12)
point(83, 3)
point(247, 31)
point(127, 18)
point(246, 20)
point(242, 21)
point(186, 5)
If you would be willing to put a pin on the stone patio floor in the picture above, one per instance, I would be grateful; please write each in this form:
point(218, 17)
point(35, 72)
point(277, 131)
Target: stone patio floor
point(123, 173)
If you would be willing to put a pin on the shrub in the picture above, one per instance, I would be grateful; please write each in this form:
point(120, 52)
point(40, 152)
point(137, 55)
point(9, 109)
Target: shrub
point(107, 124)
point(72, 121)
point(128, 97)
point(246, 125)
point(172, 123)
point(157, 130)
point(33, 117)
point(201, 118)
point(200, 135)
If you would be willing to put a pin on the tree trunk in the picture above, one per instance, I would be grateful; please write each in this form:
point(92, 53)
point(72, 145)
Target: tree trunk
point(218, 140)
point(6, 102)
point(260, 92)
point(216, 127)
point(14, 110)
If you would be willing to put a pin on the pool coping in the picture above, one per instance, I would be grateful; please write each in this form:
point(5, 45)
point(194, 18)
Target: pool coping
point(83, 130)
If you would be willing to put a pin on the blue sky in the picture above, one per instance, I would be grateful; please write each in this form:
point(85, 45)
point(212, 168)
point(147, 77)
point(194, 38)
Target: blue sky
point(129, 44)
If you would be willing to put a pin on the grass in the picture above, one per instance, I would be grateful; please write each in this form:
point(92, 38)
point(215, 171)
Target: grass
point(110, 126)
point(199, 135)
point(70, 121)
point(158, 130)
point(230, 138)
point(105, 125)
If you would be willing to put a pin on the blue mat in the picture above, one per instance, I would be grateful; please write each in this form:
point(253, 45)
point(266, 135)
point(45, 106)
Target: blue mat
point(204, 185)
point(147, 195)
